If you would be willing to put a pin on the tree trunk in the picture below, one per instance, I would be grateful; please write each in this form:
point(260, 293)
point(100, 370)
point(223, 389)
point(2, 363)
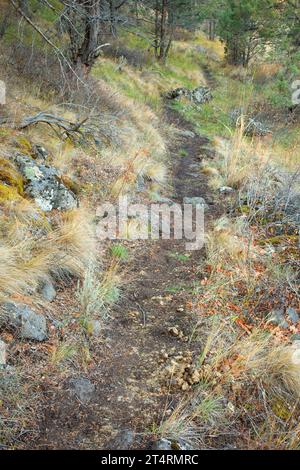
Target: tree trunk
point(87, 53)
point(236, 52)
point(156, 29)
point(112, 11)
point(4, 22)
point(211, 30)
point(163, 31)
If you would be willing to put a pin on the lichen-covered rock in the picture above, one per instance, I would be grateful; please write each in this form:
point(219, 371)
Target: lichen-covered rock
point(256, 128)
point(31, 325)
point(201, 95)
point(252, 126)
point(177, 93)
point(197, 96)
point(44, 185)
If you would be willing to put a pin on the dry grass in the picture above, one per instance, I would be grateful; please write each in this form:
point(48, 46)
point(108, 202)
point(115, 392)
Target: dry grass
point(98, 291)
point(265, 72)
point(238, 159)
point(19, 397)
point(31, 249)
point(252, 380)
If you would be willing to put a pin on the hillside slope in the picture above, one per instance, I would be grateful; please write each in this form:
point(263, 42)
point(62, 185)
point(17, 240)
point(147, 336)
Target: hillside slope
point(132, 343)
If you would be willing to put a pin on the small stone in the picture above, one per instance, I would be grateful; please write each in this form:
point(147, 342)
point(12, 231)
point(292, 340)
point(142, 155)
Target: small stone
point(185, 133)
point(166, 444)
point(195, 201)
point(195, 377)
point(293, 315)
point(2, 93)
point(226, 190)
point(179, 357)
point(201, 95)
point(173, 331)
point(162, 444)
point(40, 152)
point(231, 407)
point(164, 355)
point(48, 291)
point(82, 388)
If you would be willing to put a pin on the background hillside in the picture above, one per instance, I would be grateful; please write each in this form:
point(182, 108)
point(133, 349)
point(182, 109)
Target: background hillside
point(139, 344)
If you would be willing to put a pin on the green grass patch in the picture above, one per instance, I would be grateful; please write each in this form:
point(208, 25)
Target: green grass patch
point(119, 251)
point(180, 256)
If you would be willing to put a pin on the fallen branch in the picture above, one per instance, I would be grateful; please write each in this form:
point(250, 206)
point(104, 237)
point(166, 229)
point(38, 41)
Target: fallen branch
point(57, 123)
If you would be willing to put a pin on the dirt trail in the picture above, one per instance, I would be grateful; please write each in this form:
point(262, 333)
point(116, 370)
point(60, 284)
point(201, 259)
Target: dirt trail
point(129, 392)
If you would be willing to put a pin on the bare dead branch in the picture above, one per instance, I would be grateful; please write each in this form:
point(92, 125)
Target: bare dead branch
point(55, 122)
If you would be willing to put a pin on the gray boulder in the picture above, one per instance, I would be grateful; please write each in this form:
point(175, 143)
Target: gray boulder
point(31, 325)
point(185, 133)
point(43, 184)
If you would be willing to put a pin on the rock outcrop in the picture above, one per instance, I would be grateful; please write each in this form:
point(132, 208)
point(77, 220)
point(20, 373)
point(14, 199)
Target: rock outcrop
point(44, 185)
point(199, 95)
point(252, 126)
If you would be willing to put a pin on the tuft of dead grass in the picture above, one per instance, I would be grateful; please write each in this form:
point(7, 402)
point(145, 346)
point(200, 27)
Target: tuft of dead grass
point(253, 379)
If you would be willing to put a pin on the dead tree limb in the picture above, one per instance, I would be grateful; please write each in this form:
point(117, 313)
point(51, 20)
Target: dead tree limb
point(60, 125)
